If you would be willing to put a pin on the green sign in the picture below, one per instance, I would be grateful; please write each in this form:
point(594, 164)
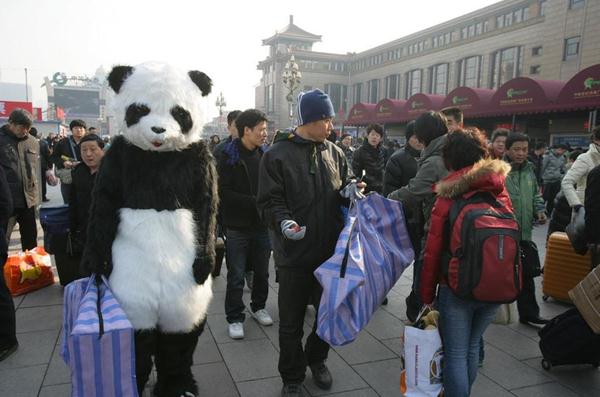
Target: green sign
point(457, 100)
point(589, 83)
point(512, 92)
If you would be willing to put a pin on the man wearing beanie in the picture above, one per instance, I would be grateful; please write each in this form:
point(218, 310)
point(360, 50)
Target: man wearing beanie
point(371, 159)
point(300, 178)
point(66, 155)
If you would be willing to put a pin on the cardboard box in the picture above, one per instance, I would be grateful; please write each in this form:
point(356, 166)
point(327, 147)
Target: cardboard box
point(586, 296)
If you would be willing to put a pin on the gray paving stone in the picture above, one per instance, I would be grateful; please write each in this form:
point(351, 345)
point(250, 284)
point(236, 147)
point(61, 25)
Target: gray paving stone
point(214, 380)
point(385, 326)
point(56, 391)
point(273, 334)
point(508, 340)
point(207, 350)
point(382, 376)
point(509, 372)
point(526, 330)
point(31, 319)
point(396, 306)
point(217, 305)
point(220, 282)
point(58, 372)
point(219, 328)
point(17, 300)
point(268, 387)
point(357, 393)
point(395, 344)
point(344, 377)
point(485, 387)
point(250, 359)
point(583, 379)
point(51, 295)
point(21, 382)
point(34, 348)
point(364, 349)
point(545, 390)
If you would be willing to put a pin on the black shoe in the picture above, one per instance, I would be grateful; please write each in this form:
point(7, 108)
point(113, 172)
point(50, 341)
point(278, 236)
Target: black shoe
point(292, 390)
point(45, 199)
point(385, 301)
point(5, 352)
point(321, 376)
point(534, 321)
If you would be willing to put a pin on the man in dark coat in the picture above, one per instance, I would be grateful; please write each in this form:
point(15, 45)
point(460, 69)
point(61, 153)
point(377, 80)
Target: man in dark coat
point(66, 155)
point(299, 198)
point(402, 166)
point(371, 159)
point(592, 206)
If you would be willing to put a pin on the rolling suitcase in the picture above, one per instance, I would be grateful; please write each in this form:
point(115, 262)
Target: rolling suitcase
point(568, 340)
point(563, 268)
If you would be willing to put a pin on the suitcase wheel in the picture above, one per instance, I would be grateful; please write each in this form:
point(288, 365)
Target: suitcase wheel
point(546, 364)
point(545, 298)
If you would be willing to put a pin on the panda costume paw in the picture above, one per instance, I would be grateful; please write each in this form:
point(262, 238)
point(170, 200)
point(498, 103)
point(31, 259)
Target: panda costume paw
point(152, 219)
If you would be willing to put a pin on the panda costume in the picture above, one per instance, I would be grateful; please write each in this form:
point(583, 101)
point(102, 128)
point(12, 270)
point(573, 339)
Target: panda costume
point(152, 219)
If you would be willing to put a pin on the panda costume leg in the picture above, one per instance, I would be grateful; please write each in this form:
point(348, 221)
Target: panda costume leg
point(145, 347)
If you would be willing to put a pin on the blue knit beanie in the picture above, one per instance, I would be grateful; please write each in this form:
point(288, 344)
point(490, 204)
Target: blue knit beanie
point(314, 105)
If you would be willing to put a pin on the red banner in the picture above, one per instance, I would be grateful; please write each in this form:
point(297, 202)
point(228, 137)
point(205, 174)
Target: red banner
point(6, 107)
point(60, 113)
point(37, 114)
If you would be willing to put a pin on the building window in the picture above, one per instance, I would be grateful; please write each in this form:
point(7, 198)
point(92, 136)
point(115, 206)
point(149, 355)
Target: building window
point(413, 82)
point(536, 51)
point(518, 15)
point(486, 26)
point(337, 93)
point(575, 4)
point(479, 28)
point(373, 91)
point(508, 19)
point(357, 90)
point(571, 48)
point(391, 86)
point(469, 72)
point(543, 5)
point(439, 79)
point(270, 105)
point(535, 69)
point(525, 13)
point(500, 22)
point(506, 64)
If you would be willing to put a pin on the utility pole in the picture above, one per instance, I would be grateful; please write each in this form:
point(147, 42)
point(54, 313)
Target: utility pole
point(26, 87)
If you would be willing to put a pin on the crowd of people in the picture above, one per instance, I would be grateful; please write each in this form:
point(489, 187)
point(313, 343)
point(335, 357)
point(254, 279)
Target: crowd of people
point(284, 199)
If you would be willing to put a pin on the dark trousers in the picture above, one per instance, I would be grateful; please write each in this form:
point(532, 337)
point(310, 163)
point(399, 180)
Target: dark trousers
point(296, 290)
point(65, 191)
point(43, 181)
point(173, 356)
point(25, 217)
point(8, 330)
point(551, 189)
point(413, 301)
point(527, 303)
point(243, 247)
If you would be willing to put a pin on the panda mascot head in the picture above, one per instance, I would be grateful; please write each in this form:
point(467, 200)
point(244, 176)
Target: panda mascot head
point(158, 106)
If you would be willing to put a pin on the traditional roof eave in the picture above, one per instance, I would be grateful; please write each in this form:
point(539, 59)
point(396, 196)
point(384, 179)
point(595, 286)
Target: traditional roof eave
point(291, 31)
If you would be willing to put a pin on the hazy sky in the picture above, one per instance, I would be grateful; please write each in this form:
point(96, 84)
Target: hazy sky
point(221, 38)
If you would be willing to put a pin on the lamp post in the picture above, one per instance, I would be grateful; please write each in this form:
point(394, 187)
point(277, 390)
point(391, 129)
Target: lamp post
point(220, 103)
point(291, 80)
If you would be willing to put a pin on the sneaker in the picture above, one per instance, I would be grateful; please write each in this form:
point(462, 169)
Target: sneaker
point(249, 279)
point(236, 330)
point(534, 321)
point(321, 375)
point(263, 317)
point(292, 390)
point(5, 352)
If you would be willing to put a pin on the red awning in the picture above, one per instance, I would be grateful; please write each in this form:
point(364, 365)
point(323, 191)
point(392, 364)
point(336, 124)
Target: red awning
point(390, 111)
point(361, 114)
point(582, 91)
point(421, 103)
point(525, 95)
point(472, 101)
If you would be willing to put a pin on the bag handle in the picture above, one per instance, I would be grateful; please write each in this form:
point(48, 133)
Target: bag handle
point(347, 251)
point(99, 280)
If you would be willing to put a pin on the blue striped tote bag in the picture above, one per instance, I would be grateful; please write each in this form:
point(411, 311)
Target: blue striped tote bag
point(98, 343)
point(371, 253)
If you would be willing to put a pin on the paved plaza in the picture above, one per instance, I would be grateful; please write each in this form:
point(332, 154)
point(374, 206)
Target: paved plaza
point(368, 367)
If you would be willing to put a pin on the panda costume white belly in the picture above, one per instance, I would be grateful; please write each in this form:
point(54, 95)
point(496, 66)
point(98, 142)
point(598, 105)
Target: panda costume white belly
point(153, 217)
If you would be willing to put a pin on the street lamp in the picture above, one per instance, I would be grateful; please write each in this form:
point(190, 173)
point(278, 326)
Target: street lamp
point(291, 80)
point(220, 103)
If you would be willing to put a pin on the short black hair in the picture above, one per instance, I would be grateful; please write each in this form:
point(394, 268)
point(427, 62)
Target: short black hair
point(344, 135)
point(93, 138)
point(561, 146)
point(574, 154)
point(595, 133)
point(429, 126)
point(375, 127)
point(21, 117)
point(33, 132)
point(77, 123)
point(541, 145)
point(515, 137)
point(231, 116)
point(409, 130)
point(91, 129)
point(464, 148)
point(249, 118)
point(498, 132)
point(453, 111)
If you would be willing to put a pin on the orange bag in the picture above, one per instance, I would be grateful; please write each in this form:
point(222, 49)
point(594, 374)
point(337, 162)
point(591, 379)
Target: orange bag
point(29, 271)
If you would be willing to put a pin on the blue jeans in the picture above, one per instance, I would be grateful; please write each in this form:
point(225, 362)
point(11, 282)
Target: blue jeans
point(251, 246)
point(462, 324)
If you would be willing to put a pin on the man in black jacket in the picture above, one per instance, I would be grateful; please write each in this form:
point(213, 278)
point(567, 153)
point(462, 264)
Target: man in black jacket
point(402, 166)
point(371, 159)
point(45, 162)
point(247, 235)
point(592, 206)
point(19, 156)
point(233, 133)
point(66, 155)
point(299, 197)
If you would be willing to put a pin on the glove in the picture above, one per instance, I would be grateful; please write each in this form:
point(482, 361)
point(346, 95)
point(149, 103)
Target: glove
point(351, 191)
point(291, 230)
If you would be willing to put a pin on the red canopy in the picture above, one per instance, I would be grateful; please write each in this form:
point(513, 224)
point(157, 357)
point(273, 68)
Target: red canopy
point(525, 95)
point(583, 90)
point(361, 114)
point(421, 103)
point(471, 101)
point(390, 110)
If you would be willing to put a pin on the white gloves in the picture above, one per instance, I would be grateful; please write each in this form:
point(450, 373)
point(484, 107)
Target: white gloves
point(291, 230)
point(352, 191)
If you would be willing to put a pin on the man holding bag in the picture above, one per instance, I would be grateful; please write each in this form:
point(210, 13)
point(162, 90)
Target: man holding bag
point(300, 178)
point(66, 155)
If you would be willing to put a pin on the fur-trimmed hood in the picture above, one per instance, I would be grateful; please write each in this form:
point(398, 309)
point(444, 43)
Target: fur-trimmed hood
point(485, 175)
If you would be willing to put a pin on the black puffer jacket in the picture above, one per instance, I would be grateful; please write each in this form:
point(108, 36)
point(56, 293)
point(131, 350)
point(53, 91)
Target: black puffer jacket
point(400, 169)
point(372, 160)
point(561, 214)
point(592, 206)
point(300, 180)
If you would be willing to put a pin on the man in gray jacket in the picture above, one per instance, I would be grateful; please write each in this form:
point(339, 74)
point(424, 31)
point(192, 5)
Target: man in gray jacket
point(553, 170)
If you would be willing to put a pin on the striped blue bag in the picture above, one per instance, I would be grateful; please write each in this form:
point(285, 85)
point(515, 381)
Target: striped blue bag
point(372, 251)
point(98, 341)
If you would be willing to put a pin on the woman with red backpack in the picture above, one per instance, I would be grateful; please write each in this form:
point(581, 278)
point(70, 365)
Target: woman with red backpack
point(472, 252)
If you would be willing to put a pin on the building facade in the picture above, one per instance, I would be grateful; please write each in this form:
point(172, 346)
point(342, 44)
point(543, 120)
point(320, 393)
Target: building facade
point(541, 39)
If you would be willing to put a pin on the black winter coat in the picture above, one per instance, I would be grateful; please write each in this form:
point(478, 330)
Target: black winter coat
point(81, 199)
point(561, 214)
point(63, 148)
point(6, 209)
point(372, 160)
point(300, 180)
point(592, 206)
point(400, 169)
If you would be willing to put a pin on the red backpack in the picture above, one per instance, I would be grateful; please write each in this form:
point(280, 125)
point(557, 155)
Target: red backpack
point(484, 261)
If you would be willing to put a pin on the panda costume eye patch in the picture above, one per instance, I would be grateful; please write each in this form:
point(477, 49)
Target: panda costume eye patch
point(135, 112)
point(183, 117)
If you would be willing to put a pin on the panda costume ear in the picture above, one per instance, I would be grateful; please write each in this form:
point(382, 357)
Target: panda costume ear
point(118, 75)
point(202, 81)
